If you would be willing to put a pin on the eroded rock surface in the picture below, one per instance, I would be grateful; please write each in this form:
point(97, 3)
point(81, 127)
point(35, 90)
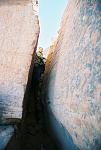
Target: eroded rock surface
point(73, 75)
point(19, 31)
point(6, 133)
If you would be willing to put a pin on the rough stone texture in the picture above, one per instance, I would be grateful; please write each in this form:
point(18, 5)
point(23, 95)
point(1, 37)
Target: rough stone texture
point(73, 74)
point(19, 30)
point(6, 133)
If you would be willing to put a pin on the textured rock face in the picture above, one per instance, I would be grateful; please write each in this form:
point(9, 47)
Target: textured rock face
point(19, 30)
point(73, 74)
point(6, 133)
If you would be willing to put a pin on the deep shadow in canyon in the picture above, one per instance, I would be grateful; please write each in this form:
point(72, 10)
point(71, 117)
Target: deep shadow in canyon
point(31, 132)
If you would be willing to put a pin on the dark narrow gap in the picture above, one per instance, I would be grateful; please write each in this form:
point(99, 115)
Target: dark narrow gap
point(31, 133)
point(34, 132)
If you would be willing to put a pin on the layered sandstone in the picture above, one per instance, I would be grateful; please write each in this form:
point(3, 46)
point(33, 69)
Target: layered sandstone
point(19, 31)
point(73, 75)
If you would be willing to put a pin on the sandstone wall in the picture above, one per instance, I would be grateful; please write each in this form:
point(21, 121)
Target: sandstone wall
point(19, 30)
point(73, 74)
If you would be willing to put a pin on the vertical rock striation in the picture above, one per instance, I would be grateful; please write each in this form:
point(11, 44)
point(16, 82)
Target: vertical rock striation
point(73, 74)
point(19, 31)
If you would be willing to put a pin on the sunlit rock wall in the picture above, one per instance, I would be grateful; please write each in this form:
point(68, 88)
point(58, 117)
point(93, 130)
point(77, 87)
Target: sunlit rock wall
point(19, 30)
point(73, 74)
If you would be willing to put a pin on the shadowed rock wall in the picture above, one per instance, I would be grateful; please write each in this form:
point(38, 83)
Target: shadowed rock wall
point(19, 31)
point(73, 75)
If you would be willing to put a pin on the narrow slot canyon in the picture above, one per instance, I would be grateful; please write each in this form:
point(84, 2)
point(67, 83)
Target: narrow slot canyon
point(53, 102)
point(31, 133)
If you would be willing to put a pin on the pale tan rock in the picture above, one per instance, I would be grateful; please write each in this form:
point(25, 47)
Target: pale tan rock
point(19, 31)
point(73, 74)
